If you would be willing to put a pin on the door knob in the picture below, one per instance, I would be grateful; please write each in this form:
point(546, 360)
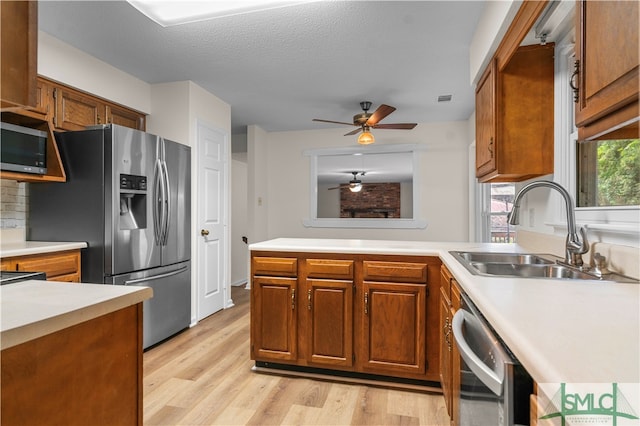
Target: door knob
point(204, 232)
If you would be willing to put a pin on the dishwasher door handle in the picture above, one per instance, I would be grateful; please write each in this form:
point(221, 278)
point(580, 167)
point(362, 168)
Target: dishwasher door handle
point(489, 377)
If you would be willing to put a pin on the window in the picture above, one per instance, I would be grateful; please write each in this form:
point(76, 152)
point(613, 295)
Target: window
point(501, 203)
point(609, 173)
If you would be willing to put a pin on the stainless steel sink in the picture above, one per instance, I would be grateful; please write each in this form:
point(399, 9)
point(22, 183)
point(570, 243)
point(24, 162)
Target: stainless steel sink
point(512, 258)
point(531, 271)
point(527, 265)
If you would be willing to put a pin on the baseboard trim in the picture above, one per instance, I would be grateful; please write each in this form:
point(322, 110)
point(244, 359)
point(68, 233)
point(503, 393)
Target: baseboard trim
point(347, 377)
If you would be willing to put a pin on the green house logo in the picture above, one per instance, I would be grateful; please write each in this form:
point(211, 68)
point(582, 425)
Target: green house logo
point(585, 407)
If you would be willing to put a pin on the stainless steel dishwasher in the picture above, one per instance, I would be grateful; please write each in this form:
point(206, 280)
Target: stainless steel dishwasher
point(494, 387)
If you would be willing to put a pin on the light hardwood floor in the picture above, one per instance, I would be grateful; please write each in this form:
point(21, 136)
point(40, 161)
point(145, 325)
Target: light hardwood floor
point(203, 377)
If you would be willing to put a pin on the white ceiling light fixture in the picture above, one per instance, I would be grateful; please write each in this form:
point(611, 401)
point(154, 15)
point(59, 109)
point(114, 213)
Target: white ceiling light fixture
point(171, 12)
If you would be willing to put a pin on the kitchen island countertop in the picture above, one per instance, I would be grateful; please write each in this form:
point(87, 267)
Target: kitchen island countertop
point(32, 309)
point(562, 331)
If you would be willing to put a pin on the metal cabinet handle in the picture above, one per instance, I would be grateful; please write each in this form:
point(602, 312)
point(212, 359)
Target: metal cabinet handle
point(309, 299)
point(293, 299)
point(204, 232)
point(491, 146)
point(572, 84)
point(366, 303)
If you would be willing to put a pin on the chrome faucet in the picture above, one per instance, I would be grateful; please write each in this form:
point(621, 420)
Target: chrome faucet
point(575, 246)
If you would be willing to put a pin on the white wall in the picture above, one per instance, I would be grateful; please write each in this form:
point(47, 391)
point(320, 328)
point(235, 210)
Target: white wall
point(279, 162)
point(492, 26)
point(239, 250)
point(258, 178)
point(66, 64)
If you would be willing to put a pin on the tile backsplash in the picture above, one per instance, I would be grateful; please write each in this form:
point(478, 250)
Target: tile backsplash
point(13, 204)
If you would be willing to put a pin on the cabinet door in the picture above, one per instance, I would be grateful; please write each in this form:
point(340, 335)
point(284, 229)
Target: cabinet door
point(125, 117)
point(19, 53)
point(455, 356)
point(75, 111)
point(44, 99)
point(393, 328)
point(607, 48)
point(274, 319)
point(329, 333)
point(486, 122)
point(445, 350)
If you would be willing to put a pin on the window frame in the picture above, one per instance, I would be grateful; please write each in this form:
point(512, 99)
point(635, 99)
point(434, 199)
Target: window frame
point(617, 224)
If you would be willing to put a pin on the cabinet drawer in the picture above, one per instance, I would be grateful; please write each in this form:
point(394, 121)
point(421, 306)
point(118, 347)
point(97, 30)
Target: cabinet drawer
point(54, 265)
point(394, 271)
point(330, 268)
point(279, 266)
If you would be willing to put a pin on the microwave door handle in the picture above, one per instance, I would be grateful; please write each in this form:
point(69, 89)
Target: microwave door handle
point(155, 277)
point(479, 368)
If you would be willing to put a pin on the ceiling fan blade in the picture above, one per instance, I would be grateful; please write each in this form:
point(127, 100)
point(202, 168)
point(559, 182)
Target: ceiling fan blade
point(354, 132)
point(382, 111)
point(334, 122)
point(402, 126)
point(335, 187)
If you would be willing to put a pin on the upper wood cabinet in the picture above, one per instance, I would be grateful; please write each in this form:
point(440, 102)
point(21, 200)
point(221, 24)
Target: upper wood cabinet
point(71, 109)
point(19, 53)
point(514, 117)
point(607, 64)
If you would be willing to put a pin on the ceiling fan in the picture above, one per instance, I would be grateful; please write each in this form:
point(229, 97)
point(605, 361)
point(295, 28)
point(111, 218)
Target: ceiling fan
point(354, 185)
point(366, 121)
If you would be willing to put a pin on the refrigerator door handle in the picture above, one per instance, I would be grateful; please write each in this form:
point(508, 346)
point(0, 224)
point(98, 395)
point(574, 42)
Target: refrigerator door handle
point(166, 204)
point(157, 202)
point(156, 277)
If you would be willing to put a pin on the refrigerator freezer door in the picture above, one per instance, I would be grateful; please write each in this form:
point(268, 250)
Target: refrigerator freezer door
point(178, 233)
point(133, 245)
point(169, 310)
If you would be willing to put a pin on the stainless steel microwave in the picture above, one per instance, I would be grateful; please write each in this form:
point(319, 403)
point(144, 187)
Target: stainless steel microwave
point(23, 149)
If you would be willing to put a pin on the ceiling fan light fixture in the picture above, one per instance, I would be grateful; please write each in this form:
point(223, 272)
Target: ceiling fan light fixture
point(366, 138)
point(355, 187)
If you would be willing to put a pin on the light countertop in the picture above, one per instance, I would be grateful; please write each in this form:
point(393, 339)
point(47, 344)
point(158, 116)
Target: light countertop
point(32, 309)
point(24, 248)
point(560, 330)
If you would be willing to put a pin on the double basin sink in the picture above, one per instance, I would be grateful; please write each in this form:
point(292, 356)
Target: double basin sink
point(521, 265)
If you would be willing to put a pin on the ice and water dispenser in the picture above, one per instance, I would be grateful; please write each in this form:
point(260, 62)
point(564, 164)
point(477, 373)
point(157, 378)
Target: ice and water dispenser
point(133, 202)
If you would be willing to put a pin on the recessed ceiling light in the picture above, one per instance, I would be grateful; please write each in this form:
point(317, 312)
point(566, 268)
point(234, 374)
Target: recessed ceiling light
point(444, 98)
point(168, 13)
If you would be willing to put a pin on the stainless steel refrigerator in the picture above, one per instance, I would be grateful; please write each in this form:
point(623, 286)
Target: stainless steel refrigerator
point(128, 195)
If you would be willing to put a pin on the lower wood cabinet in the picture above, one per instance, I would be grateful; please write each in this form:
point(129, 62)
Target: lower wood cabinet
point(59, 266)
point(394, 328)
point(449, 355)
point(359, 313)
point(274, 318)
point(86, 374)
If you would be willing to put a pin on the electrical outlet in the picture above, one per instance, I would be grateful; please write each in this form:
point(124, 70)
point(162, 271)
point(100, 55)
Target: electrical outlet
point(532, 215)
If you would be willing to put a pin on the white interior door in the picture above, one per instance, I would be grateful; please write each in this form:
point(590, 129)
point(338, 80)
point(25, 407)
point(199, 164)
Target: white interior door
point(213, 206)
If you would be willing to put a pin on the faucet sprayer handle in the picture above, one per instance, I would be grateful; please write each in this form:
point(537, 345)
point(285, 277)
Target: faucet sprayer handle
point(585, 243)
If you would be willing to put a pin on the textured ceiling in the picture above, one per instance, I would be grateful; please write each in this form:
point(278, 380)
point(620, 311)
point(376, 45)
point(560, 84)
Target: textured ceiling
point(280, 68)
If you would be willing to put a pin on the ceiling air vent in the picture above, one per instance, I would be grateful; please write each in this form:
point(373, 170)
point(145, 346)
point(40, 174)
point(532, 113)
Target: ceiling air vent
point(444, 98)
